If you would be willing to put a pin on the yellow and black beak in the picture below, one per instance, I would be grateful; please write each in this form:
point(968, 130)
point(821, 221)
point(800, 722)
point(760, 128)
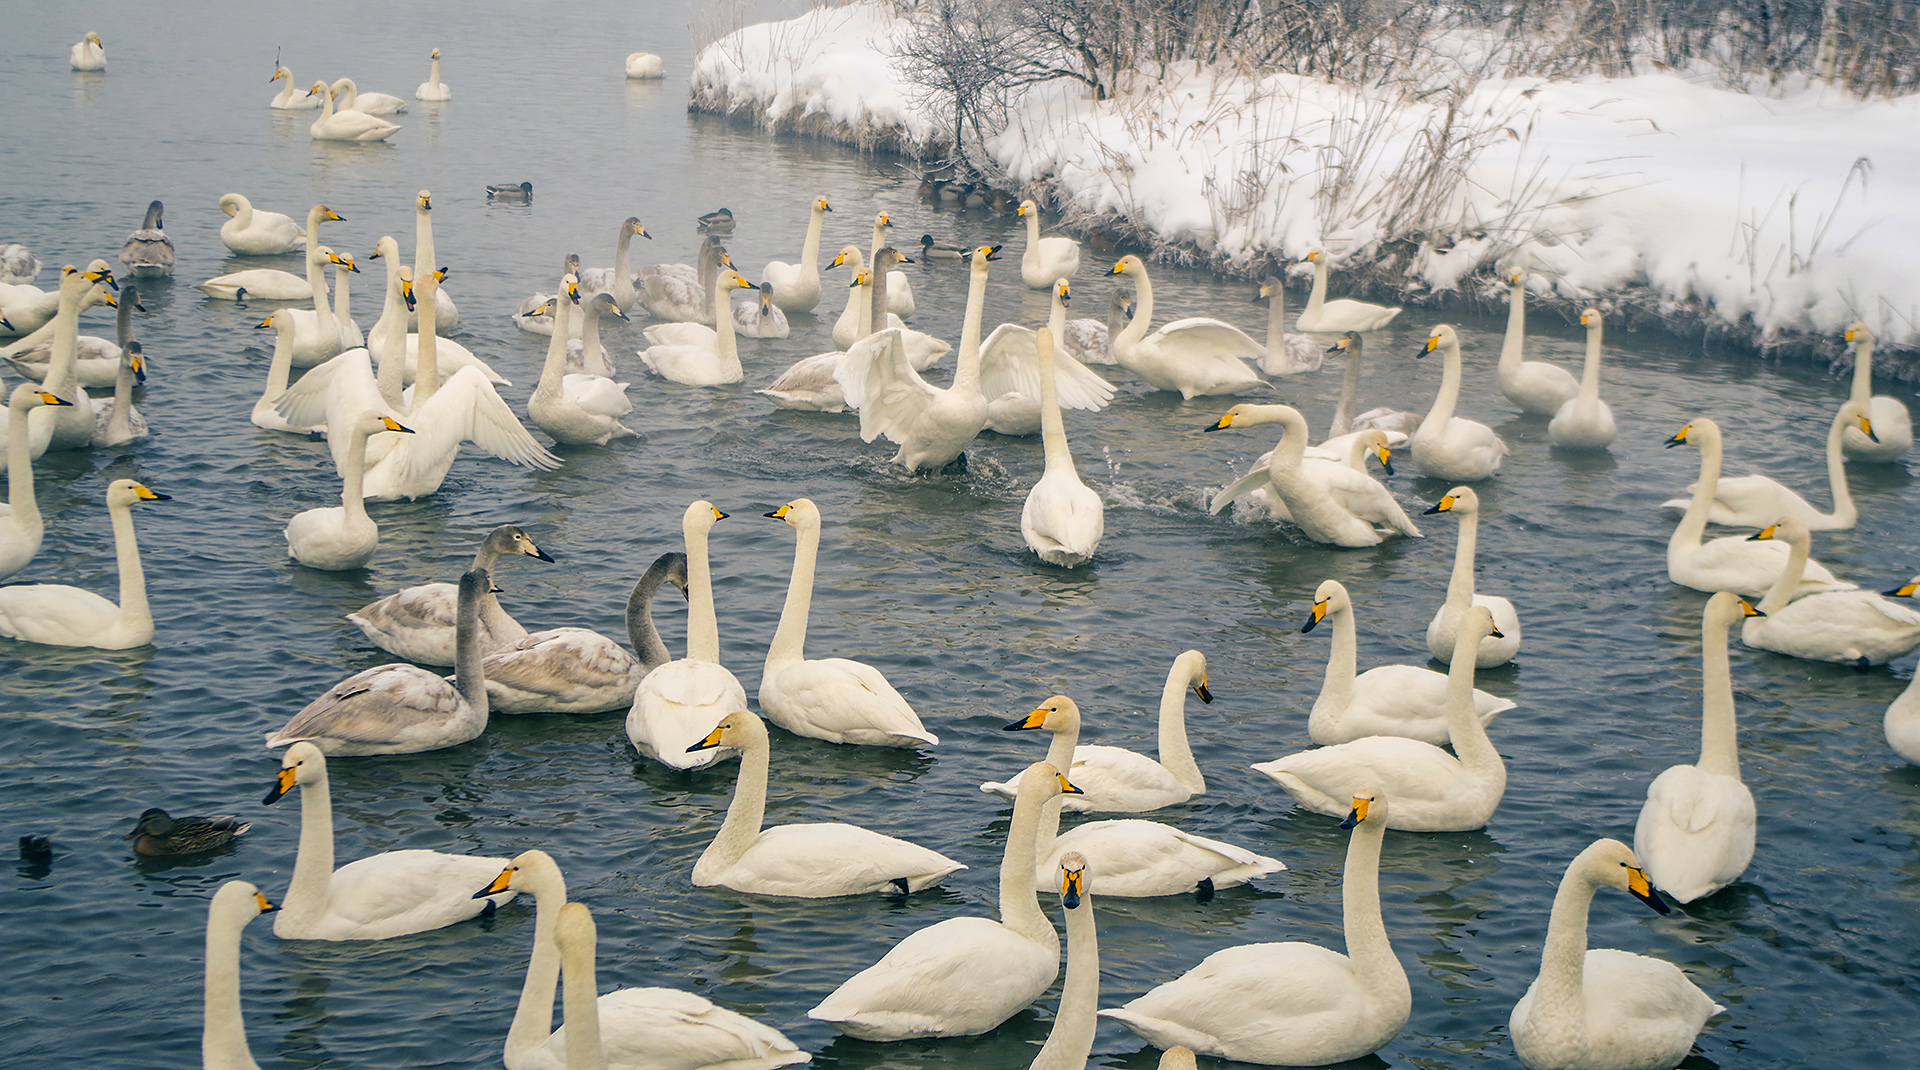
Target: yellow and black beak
point(707, 742)
point(1747, 608)
point(1445, 504)
point(1866, 428)
point(426, 203)
point(993, 252)
point(1640, 888)
point(1386, 458)
point(105, 276)
point(1201, 690)
point(54, 400)
point(1036, 719)
point(282, 784)
point(1319, 614)
point(1119, 267)
point(1066, 294)
point(263, 324)
point(1495, 632)
point(1433, 343)
point(717, 514)
point(406, 291)
point(332, 215)
point(1066, 786)
point(544, 308)
point(1358, 813)
point(394, 425)
point(1340, 344)
point(1849, 335)
point(267, 906)
point(781, 513)
point(1073, 885)
point(146, 495)
point(1905, 590)
point(1221, 424)
point(1763, 533)
point(1679, 437)
point(498, 884)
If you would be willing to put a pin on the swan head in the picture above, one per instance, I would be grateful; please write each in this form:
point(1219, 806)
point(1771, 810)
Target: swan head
point(1849, 413)
point(512, 539)
point(882, 221)
point(135, 358)
point(859, 280)
point(127, 491)
point(983, 254)
point(1461, 501)
point(238, 902)
point(1042, 781)
point(1699, 433)
point(372, 423)
point(1368, 804)
point(1476, 624)
point(849, 254)
point(633, 222)
point(1788, 529)
point(30, 396)
point(1073, 879)
point(766, 299)
point(278, 74)
point(1316, 256)
point(320, 90)
point(1025, 207)
point(800, 513)
point(526, 871)
point(1441, 337)
point(1267, 288)
point(231, 203)
point(1191, 666)
point(1248, 414)
point(341, 261)
point(423, 201)
point(403, 278)
point(1517, 277)
point(1905, 590)
point(301, 765)
point(820, 204)
point(603, 304)
point(1330, 597)
point(1858, 334)
point(327, 215)
point(1725, 608)
point(699, 519)
point(674, 563)
point(733, 280)
point(1063, 290)
point(435, 55)
point(1059, 715)
point(740, 730)
point(94, 40)
point(100, 274)
point(1590, 319)
point(1349, 343)
point(1613, 864)
point(1128, 265)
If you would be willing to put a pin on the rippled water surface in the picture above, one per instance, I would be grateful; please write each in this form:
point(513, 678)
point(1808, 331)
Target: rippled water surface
point(926, 578)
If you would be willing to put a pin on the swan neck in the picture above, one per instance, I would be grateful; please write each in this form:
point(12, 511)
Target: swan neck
point(1694, 523)
point(1019, 907)
point(1590, 371)
point(123, 324)
point(745, 813)
point(1074, 1023)
point(391, 335)
point(810, 249)
point(1460, 584)
point(322, 301)
point(1558, 992)
point(120, 419)
point(353, 477)
point(877, 297)
point(553, 373)
point(470, 649)
point(62, 374)
point(25, 508)
point(1788, 581)
point(1366, 930)
point(789, 639)
point(426, 365)
point(1342, 660)
point(647, 644)
point(1317, 296)
point(223, 1038)
point(133, 579)
point(1449, 395)
point(308, 889)
point(1175, 753)
point(533, 1018)
point(703, 626)
point(580, 1000)
point(728, 349)
point(1844, 511)
point(1464, 730)
point(1514, 345)
point(1142, 310)
point(1033, 234)
point(1719, 741)
point(433, 78)
point(1057, 319)
point(1053, 428)
point(1277, 318)
point(1862, 392)
point(1349, 395)
point(966, 374)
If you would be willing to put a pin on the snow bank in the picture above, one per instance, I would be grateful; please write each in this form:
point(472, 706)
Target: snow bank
point(1778, 215)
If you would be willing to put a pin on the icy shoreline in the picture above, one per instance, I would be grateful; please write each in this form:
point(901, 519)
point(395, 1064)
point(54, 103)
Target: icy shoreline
point(1767, 223)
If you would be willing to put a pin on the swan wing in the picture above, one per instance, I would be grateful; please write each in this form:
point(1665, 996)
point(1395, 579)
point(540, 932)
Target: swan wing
point(877, 379)
point(809, 384)
point(1367, 498)
point(960, 977)
point(382, 705)
point(1419, 777)
point(1261, 476)
point(1294, 1004)
point(665, 1028)
point(1200, 334)
point(815, 861)
point(1010, 364)
point(399, 892)
point(475, 410)
point(1146, 858)
point(329, 390)
point(682, 334)
point(562, 669)
point(1695, 834)
point(597, 395)
point(841, 700)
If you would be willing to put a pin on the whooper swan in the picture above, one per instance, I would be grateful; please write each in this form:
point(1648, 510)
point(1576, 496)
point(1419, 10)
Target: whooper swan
point(1010, 373)
point(834, 699)
point(1585, 422)
point(343, 537)
point(264, 284)
point(69, 427)
point(1433, 791)
point(574, 670)
point(250, 231)
point(1063, 519)
point(1447, 446)
point(1755, 500)
point(1398, 424)
point(642, 66)
point(1045, 259)
point(115, 420)
point(390, 894)
point(1597, 1008)
point(618, 279)
point(1070, 1040)
point(575, 409)
point(1194, 356)
point(148, 252)
point(89, 54)
point(346, 124)
point(678, 703)
point(21, 525)
point(1293, 1004)
point(899, 289)
point(433, 89)
point(402, 709)
point(1322, 316)
point(223, 1035)
point(418, 624)
point(1386, 700)
point(693, 353)
point(57, 615)
point(963, 976)
point(1902, 722)
point(371, 103)
point(1858, 628)
point(1463, 503)
point(1539, 388)
point(1287, 354)
point(796, 287)
point(1329, 502)
point(289, 98)
point(1696, 832)
point(1892, 423)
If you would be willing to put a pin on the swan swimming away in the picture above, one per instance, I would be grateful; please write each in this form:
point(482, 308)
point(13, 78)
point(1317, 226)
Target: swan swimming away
point(420, 624)
point(378, 897)
point(643, 66)
point(808, 861)
point(1695, 834)
point(573, 670)
point(433, 89)
point(1062, 519)
point(1463, 503)
point(148, 252)
point(1294, 1003)
point(1597, 1008)
point(1322, 316)
point(55, 614)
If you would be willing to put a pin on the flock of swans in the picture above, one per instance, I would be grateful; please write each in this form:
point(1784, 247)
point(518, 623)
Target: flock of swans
point(1396, 746)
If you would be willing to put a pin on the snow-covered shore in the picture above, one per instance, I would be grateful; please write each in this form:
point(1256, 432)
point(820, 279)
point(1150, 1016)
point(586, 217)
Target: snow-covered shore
point(1775, 220)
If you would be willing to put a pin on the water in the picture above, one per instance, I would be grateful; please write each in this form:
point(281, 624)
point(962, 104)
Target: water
point(926, 578)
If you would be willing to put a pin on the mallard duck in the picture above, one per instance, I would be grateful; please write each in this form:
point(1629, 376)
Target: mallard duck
point(156, 835)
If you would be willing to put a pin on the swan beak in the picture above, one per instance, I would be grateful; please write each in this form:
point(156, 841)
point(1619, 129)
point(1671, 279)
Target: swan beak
point(1201, 690)
point(536, 553)
point(139, 366)
point(1746, 607)
point(858, 281)
point(1260, 294)
point(406, 290)
point(331, 215)
point(277, 76)
point(51, 399)
point(266, 905)
point(1119, 268)
point(426, 203)
point(1036, 719)
point(263, 324)
point(718, 515)
point(1066, 294)
point(146, 495)
point(1066, 786)
point(824, 206)
point(1386, 459)
point(104, 276)
point(1496, 633)
point(1319, 614)
point(1022, 210)
point(903, 258)
point(281, 785)
point(544, 308)
point(711, 741)
point(1763, 533)
point(780, 513)
point(1221, 425)
point(1640, 888)
point(1432, 344)
point(1903, 591)
point(1679, 437)
point(499, 884)
point(111, 303)
point(394, 425)
point(1441, 506)
point(993, 252)
point(1073, 885)
point(839, 258)
point(1358, 813)
point(1866, 428)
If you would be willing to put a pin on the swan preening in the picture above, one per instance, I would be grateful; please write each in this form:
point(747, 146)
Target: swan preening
point(645, 66)
point(1600, 1009)
point(58, 615)
point(1293, 1004)
point(390, 894)
point(251, 231)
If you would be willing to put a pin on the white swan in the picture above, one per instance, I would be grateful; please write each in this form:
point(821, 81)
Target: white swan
point(856, 318)
point(762, 318)
point(1194, 356)
point(808, 385)
point(96, 361)
point(811, 861)
point(1902, 722)
point(899, 289)
point(1063, 519)
point(1045, 259)
point(1294, 1004)
point(1499, 648)
point(115, 420)
point(342, 537)
point(250, 231)
point(57, 615)
point(1539, 388)
point(1892, 423)
point(148, 252)
point(89, 54)
point(645, 66)
point(923, 349)
point(834, 699)
point(796, 287)
point(1070, 1040)
point(1585, 422)
point(1287, 354)
point(18, 265)
point(1858, 628)
point(290, 98)
point(1433, 791)
point(1597, 1008)
point(693, 353)
point(279, 371)
point(1399, 426)
point(638, 1028)
point(419, 624)
point(378, 897)
point(1114, 779)
point(680, 702)
point(433, 89)
point(1329, 502)
point(346, 125)
point(587, 354)
point(1447, 446)
point(1732, 563)
point(267, 284)
point(1695, 835)
point(574, 670)
point(62, 427)
point(223, 1035)
point(1256, 487)
point(575, 409)
point(618, 279)
point(427, 269)
point(402, 709)
point(1386, 700)
point(963, 976)
point(1010, 373)
point(1145, 859)
point(21, 526)
point(367, 103)
point(318, 334)
point(1755, 501)
point(1322, 316)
